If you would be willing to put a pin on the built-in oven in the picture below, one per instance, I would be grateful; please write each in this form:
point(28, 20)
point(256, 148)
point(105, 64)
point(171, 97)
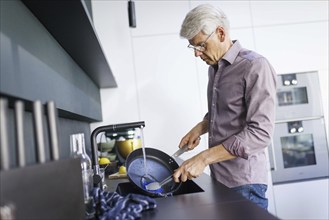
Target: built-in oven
point(299, 151)
point(299, 148)
point(298, 96)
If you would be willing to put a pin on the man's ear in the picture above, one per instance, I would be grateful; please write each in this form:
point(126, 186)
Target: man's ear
point(220, 33)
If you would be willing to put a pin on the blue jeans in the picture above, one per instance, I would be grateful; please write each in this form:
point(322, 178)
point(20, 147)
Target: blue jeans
point(254, 192)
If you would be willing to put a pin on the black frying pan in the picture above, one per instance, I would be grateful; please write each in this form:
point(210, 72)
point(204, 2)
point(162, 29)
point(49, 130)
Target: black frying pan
point(159, 165)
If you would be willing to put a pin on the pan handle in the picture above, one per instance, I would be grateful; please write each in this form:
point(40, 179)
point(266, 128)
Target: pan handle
point(180, 151)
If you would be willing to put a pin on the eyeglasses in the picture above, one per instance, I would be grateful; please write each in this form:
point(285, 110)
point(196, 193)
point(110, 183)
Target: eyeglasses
point(202, 46)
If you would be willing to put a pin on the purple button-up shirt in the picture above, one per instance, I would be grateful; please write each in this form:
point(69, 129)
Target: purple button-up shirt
point(241, 113)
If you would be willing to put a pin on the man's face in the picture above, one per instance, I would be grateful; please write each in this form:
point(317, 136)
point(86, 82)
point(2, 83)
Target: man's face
point(212, 47)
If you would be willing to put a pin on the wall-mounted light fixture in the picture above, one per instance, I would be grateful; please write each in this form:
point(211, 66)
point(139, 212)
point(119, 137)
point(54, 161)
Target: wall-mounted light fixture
point(131, 14)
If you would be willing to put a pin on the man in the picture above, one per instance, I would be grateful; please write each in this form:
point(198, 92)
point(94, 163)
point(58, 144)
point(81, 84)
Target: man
point(241, 108)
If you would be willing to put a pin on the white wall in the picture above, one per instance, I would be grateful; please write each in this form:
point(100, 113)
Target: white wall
point(159, 80)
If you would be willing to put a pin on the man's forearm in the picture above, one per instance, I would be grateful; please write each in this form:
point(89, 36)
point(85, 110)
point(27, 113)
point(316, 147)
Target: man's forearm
point(203, 126)
point(216, 154)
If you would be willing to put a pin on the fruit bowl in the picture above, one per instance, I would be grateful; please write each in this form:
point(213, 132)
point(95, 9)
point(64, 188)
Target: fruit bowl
point(125, 147)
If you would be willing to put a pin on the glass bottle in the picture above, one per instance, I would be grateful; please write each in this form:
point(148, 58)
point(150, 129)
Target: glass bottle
point(78, 150)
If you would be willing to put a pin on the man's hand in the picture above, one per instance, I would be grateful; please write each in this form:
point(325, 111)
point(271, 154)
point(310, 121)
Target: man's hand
point(194, 167)
point(190, 169)
point(192, 138)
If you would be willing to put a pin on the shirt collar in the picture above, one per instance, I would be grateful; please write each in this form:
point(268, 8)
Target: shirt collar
point(232, 52)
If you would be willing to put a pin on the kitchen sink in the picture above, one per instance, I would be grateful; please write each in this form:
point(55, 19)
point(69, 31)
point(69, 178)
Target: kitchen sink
point(186, 188)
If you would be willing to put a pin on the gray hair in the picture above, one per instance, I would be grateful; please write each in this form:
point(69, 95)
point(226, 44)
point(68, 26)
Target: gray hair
point(205, 18)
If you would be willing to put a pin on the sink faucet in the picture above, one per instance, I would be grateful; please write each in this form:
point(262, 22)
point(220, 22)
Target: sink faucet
point(108, 128)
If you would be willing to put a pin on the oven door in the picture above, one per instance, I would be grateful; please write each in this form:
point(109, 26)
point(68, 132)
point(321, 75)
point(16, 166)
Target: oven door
point(298, 96)
point(299, 151)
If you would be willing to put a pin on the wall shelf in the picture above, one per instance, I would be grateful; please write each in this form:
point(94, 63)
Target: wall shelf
point(71, 25)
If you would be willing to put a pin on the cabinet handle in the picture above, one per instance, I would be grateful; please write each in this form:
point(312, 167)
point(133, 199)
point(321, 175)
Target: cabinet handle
point(272, 156)
point(4, 147)
point(52, 129)
point(38, 131)
point(19, 121)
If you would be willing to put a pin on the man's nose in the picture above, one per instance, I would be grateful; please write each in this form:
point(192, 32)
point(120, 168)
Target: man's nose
point(197, 53)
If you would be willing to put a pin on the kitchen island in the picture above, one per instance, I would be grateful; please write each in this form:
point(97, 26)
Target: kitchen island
point(213, 201)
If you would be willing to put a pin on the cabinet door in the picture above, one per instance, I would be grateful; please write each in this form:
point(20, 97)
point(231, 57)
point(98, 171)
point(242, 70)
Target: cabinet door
point(303, 200)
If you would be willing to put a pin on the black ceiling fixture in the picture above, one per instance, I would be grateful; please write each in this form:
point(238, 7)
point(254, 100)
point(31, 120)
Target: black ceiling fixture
point(131, 14)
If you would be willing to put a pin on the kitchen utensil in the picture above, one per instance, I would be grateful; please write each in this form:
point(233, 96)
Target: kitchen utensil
point(4, 147)
point(147, 179)
point(38, 131)
point(159, 165)
point(154, 186)
point(52, 129)
point(19, 122)
point(180, 151)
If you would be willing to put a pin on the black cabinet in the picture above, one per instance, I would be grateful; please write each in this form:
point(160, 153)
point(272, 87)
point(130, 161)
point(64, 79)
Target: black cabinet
point(50, 51)
point(70, 23)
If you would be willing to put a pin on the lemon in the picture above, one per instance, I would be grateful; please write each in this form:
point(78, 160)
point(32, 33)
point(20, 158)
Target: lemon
point(104, 161)
point(122, 170)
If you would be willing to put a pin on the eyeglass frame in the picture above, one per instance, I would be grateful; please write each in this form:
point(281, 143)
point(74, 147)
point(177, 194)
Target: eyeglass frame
point(202, 46)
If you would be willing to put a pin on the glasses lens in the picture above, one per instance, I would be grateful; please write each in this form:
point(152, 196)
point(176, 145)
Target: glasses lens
point(190, 46)
point(198, 48)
